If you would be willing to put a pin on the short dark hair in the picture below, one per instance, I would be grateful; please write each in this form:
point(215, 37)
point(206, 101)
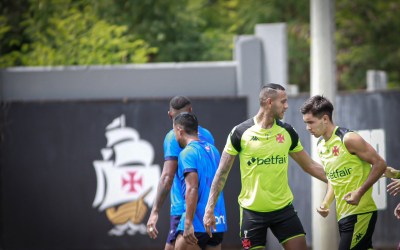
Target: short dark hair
point(179, 102)
point(269, 90)
point(188, 121)
point(318, 106)
point(273, 86)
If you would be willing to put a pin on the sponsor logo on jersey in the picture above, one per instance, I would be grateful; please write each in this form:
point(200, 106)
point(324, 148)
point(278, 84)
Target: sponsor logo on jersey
point(273, 159)
point(338, 173)
point(254, 138)
point(219, 219)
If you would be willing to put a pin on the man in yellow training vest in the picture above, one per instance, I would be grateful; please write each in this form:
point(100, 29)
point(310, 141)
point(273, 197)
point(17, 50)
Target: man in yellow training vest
point(264, 144)
point(347, 159)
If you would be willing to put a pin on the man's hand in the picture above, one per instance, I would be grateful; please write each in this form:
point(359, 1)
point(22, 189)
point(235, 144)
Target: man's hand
point(163, 189)
point(393, 188)
point(391, 172)
point(209, 221)
point(151, 225)
point(188, 235)
point(323, 210)
point(397, 211)
point(353, 197)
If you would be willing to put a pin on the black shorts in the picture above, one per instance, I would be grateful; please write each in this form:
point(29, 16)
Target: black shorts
point(205, 240)
point(284, 224)
point(356, 231)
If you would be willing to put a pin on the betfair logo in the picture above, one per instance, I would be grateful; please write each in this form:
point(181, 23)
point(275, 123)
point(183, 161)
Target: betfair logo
point(338, 173)
point(277, 159)
point(252, 160)
point(254, 138)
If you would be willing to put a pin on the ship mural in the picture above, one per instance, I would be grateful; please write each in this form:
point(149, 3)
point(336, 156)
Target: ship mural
point(127, 179)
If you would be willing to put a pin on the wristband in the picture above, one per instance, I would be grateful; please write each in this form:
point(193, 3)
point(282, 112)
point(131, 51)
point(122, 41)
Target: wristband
point(397, 175)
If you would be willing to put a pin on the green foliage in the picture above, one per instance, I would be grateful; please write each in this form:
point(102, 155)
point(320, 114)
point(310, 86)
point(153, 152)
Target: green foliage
point(183, 30)
point(367, 39)
point(84, 32)
point(64, 33)
point(4, 30)
point(11, 35)
point(296, 15)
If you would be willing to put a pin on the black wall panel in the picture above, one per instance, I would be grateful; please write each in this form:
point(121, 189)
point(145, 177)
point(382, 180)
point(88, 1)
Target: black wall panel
point(48, 182)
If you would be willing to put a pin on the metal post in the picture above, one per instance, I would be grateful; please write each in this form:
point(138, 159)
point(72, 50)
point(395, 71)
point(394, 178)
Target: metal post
point(324, 230)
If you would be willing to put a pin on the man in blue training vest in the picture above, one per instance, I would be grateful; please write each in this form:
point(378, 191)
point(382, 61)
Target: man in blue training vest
point(197, 165)
point(177, 105)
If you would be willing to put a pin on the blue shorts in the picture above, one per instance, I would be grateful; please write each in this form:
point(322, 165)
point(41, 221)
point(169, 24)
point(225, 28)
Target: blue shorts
point(174, 221)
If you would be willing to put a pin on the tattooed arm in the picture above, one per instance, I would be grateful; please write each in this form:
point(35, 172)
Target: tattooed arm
point(218, 184)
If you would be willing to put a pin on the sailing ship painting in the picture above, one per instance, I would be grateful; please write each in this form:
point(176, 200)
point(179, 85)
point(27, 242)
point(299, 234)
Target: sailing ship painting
point(127, 179)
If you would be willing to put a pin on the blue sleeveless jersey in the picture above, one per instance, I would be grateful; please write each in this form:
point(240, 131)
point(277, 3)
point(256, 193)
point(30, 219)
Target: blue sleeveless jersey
point(171, 152)
point(203, 158)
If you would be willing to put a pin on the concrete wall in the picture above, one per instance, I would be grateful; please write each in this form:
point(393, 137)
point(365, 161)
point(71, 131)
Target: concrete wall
point(126, 81)
point(257, 60)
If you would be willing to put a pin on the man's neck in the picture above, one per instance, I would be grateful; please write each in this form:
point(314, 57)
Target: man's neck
point(329, 131)
point(265, 119)
point(189, 139)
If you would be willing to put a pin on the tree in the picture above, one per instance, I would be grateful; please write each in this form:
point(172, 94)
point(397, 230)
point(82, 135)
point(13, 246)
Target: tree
point(74, 32)
point(366, 40)
point(69, 33)
point(365, 37)
point(183, 30)
point(11, 34)
point(296, 15)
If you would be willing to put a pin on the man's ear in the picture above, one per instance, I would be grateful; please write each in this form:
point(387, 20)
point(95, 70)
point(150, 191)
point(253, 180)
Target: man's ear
point(180, 130)
point(170, 115)
point(325, 118)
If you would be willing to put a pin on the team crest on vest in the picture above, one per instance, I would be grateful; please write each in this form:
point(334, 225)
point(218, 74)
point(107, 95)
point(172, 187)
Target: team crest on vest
point(335, 151)
point(126, 179)
point(280, 138)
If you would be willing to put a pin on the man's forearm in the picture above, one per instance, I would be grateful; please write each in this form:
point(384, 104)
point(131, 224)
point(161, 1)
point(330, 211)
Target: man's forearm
point(318, 172)
point(376, 172)
point(309, 165)
point(191, 204)
point(163, 189)
point(329, 196)
point(220, 179)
